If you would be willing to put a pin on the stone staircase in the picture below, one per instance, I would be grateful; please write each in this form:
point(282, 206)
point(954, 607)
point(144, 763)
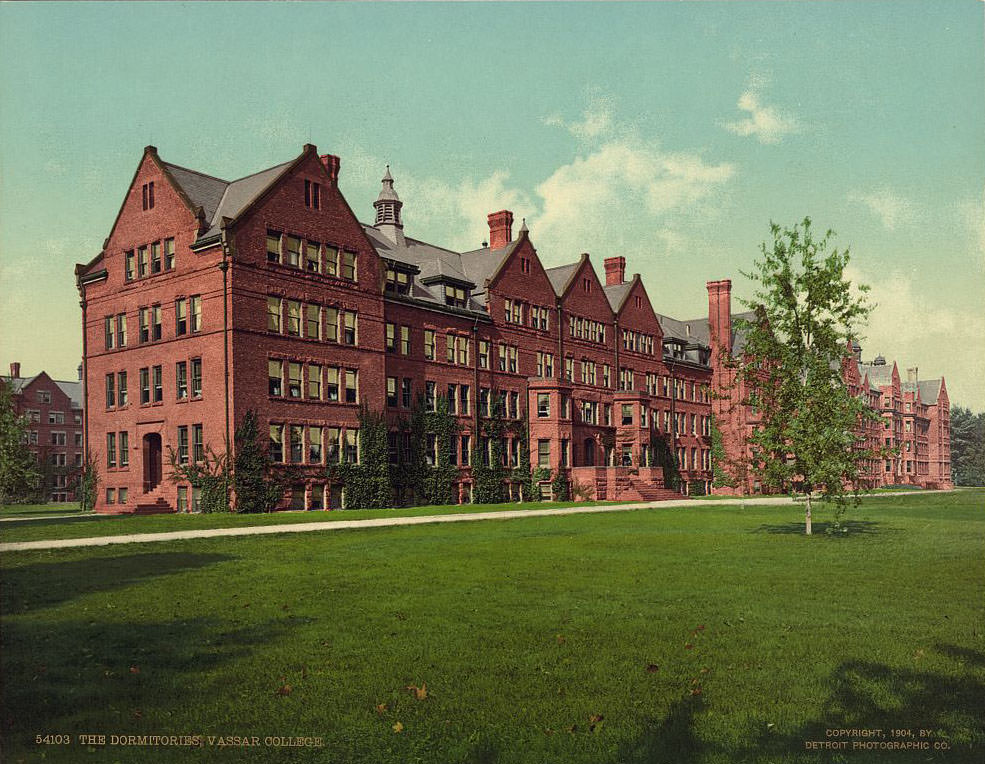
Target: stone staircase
point(152, 503)
point(629, 489)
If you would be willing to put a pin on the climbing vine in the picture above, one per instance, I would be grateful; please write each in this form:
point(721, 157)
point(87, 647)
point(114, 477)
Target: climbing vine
point(665, 458)
point(420, 482)
point(721, 478)
point(208, 477)
point(369, 484)
point(488, 477)
point(88, 484)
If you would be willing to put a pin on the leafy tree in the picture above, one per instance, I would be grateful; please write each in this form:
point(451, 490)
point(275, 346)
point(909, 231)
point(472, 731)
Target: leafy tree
point(719, 460)
point(967, 446)
point(19, 475)
point(805, 313)
point(259, 486)
point(88, 483)
point(210, 477)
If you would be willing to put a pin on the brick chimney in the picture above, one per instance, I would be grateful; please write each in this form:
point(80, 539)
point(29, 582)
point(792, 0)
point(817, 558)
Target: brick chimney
point(615, 270)
point(720, 315)
point(911, 374)
point(500, 229)
point(332, 164)
point(15, 369)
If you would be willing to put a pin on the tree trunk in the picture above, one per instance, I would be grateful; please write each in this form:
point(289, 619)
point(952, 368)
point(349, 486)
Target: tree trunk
point(807, 517)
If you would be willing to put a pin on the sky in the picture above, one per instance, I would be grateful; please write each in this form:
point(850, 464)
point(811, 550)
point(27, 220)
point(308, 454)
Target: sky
point(669, 133)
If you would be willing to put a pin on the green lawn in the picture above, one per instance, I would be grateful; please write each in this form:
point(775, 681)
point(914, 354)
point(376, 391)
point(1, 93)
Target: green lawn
point(708, 634)
point(39, 510)
point(89, 525)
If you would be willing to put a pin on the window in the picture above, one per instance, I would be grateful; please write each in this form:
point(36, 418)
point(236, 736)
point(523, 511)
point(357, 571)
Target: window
point(312, 322)
point(181, 317)
point(565, 448)
point(569, 369)
point(543, 405)
point(124, 441)
point(544, 453)
point(121, 330)
point(391, 391)
point(155, 257)
point(589, 412)
point(156, 322)
point(351, 386)
point(390, 334)
point(109, 330)
point(465, 441)
point(273, 246)
point(198, 446)
point(314, 381)
point(455, 296)
point(147, 195)
point(627, 414)
point(429, 344)
point(142, 262)
point(111, 449)
point(450, 346)
point(273, 314)
point(275, 447)
point(312, 194)
point(464, 402)
point(627, 456)
point(331, 261)
point(182, 498)
point(181, 379)
point(332, 384)
point(314, 445)
point(169, 254)
point(196, 377)
point(606, 375)
point(404, 340)
point(642, 416)
point(483, 354)
point(110, 391)
point(110, 495)
point(294, 318)
point(332, 445)
point(195, 308)
point(122, 492)
point(57, 460)
point(452, 399)
point(312, 262)
point(350, 447)
point(56, 417)
point(275, 375)
point(294, 251)
point(293, 380)
point(129, 272)
point(78, 444)
point(565, 406)
point(347, 266)
point(295, 439)
point(430, 396)
point(349, 336)
point(545, 364)
point(145, 386)
point(157, 374)
point(59, 439)
point(405, 393)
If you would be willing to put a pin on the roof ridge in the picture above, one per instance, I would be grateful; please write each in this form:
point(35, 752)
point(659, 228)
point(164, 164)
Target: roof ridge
point(260, 172)
point(197, 172)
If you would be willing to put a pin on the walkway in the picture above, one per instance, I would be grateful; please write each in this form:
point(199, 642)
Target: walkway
point(384, 522)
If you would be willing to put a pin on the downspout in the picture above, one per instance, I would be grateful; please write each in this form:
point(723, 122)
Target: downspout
point(224, 267)
point(673, 413)
point(83, 303)
point(560, 339)
point(475, 392)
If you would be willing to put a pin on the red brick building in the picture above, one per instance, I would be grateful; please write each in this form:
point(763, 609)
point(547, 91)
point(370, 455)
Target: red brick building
point(53, 410)
point(914, 415)
point(214, 297)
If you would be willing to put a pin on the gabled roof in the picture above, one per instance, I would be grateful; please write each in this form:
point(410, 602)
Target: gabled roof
point(202, 190)
point(695, 331)
point(240, 194)
point(73, 390)
point(483, 264)
point(930, 389)
point(617, 294)
point(880, 375)
point(561, 275)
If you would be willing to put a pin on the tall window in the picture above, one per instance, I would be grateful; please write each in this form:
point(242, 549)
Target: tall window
point(543, 405)
point(145, 385)
point(130, 269)
point(273, 246)
point(543, 453)
point(296, 440)
point(312, 194)
point(195, 312)
point(332, 383)
point(275, 375)
point(405, 392)
point(275, 446)
point(156, 322)
point(180, 316)
point(429, 344)
point(121, 330)
point(351, 386)
point(196, 377)
point(294, 318)
point(111, 449)
point(142, 262)
point(314, 445)
point(155, 257)
point(121, 388)
point(157, 374)
point(110, 391)
point(294, 251)
point(181, 379)
point(147, 195)
point(312, 263)
point(404, 340)
point(314, 381)
point(124, 439)
point(273, 314)
point(168, 254)
point(349, 334)
point(390, 336)
point(294, 380)
point(183, 444)
point(391, 391)
point(198, 445)
point(331, 261)
point(347, 265)
point(350, 449)
point(109, 331)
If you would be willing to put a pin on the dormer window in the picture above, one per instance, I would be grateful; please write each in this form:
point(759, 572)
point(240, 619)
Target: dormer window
point(397, 282)
point(456, 296)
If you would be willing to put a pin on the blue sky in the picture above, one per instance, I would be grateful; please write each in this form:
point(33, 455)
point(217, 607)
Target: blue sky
point(670, 133)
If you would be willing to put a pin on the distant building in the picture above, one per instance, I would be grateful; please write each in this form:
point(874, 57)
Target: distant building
point(915, 418)
point(53, 410)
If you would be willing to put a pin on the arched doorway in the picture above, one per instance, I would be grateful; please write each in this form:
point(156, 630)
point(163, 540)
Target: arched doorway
point(152, 461)
point(589, 452)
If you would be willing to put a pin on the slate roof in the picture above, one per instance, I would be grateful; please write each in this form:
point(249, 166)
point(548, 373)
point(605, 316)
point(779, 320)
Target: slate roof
point(72, 389)
point(695, 331)
point(240, 193)
point(930, 389)
point(617, 293)
point(203, 190)
point(880, 375)
point(561, 275)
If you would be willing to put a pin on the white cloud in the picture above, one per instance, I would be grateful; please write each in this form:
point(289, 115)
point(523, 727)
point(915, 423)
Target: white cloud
point(889, 207)
point(914, 329)
point(767, 123)
point(596, 121)
point(606, 198)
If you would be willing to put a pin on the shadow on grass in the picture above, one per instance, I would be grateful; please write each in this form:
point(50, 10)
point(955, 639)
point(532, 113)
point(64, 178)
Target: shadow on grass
point(862, 695)
point(821, 528)
point(26, 522)
point(27, 588)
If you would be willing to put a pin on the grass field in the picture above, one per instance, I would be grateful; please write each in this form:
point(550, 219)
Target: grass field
point(708, 634)
point(39, 510)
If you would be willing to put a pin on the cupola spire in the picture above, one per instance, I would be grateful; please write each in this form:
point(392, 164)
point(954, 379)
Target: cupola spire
point(388, 206)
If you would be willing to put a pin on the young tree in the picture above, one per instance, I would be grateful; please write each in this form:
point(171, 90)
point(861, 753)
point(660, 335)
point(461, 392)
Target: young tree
point(18, 467)
point(967, 446)
point(258, 486)
point(806, 312)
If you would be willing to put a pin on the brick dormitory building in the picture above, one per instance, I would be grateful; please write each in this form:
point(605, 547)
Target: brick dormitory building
point(52, 412)
point(211, 298)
